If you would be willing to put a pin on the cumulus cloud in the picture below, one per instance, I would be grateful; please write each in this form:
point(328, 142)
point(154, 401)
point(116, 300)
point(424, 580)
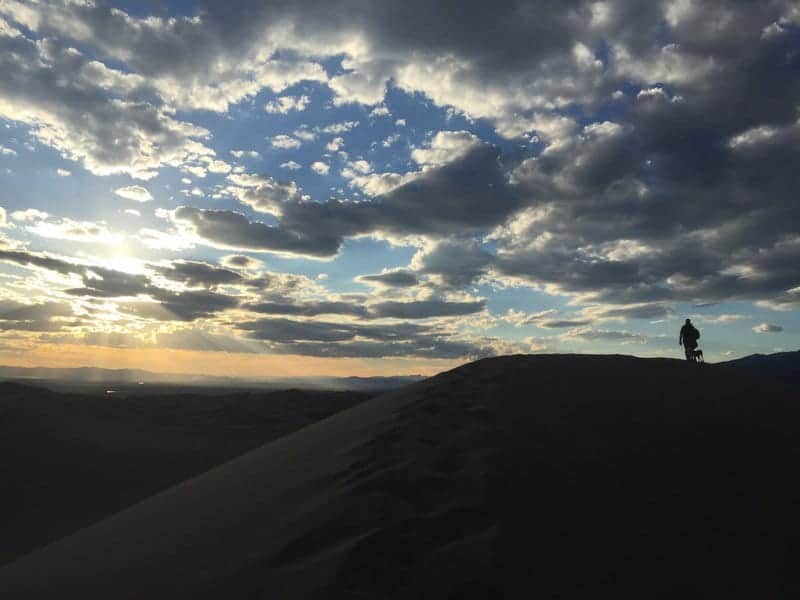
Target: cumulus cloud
point(682, 187)
point(51, 88)
point(468, 194)
point(335, 144)
point(243, 153)
point(262, 193)
point(337, 128)
point(285, 142)
point(320, 167)
point(137, 193)
point(445, 147)
point(285, 104)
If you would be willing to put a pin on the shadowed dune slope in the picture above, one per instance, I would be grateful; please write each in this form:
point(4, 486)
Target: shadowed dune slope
point(558, 476)
point(69, 460)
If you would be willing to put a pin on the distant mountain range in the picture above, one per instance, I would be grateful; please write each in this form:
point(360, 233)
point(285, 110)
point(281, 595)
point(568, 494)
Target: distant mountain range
point(88, 376)
point(782, 366)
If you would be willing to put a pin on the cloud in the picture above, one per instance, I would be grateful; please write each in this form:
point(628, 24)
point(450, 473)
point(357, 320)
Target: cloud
point(560, 324)
point(262, 193)
point(637, 170)
point(285, 104)
point(59, 228)
point(52, 88)
point(136, 193)
point(323, 338)
point(3, 218)
point(767, 328)
point(163, 240)
point(391, 278)
point(63, 172)
point(6, 151)
point(423, 309)
point(337, 128)
point(308, 309)
point(291, 165)
point(456, 262)
point(42, 317)
point(593, 335)
point(180, 306)
point(243, 153)
point(232, 230)
point(40, 260)
point(240, 261)
point(285, 142)
point(320, 167)
point(443, 200)
point(445, 147)
point(380, 111)
point(198, 274)
point(335, 144)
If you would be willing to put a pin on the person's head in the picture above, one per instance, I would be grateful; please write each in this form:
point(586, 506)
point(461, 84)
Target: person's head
point(688, 321)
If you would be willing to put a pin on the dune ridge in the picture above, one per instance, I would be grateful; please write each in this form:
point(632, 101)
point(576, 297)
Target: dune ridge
point(556, 475)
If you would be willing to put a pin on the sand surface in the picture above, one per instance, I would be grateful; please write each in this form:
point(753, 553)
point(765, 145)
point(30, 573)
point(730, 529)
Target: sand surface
point(69, 460)
point(545, 476)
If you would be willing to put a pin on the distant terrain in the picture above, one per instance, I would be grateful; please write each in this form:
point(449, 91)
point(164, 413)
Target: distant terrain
point(546, 476)
point(93, 379)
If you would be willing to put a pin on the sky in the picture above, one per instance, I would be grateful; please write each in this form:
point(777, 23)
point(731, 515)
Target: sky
point(372, 188)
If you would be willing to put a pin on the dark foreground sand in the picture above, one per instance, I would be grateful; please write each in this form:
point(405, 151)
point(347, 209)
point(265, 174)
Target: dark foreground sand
point(69, 460)
point(518, 477)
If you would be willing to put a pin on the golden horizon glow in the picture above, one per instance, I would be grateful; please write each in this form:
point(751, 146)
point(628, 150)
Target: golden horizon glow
point(194, 362)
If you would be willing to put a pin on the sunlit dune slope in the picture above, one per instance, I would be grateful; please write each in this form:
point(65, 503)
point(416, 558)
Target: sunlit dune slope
point(556, 476)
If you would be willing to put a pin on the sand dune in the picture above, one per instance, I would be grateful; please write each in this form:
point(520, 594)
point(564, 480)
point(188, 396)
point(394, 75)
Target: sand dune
point(551, 476)
point(69, 460)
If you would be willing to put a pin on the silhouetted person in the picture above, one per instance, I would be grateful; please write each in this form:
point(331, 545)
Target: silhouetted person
point(688, 338)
